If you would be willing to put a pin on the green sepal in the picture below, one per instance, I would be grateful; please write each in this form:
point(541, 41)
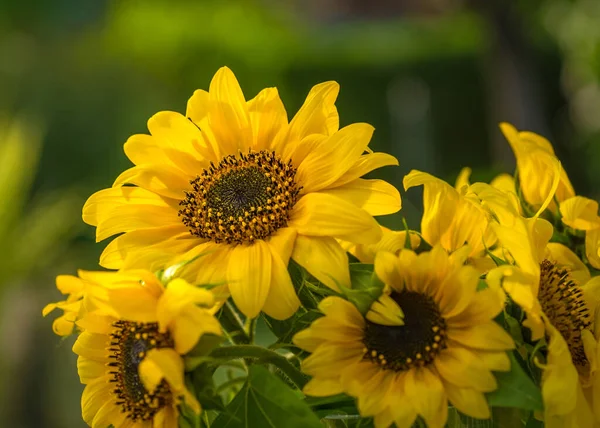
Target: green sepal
point(366, 286)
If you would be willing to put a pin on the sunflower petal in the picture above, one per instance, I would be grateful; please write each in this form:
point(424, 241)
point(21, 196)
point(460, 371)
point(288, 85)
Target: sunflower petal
point(377, 197)
point(324, 258)
point(318, 214)
point(318, 171)
point(248, 285)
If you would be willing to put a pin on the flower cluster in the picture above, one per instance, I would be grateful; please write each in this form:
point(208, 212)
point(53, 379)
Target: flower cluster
point(235, 216)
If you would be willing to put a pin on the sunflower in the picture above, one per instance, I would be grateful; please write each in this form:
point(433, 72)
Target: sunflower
point(555, 290)
point(453, 217)
point(542, 177)
point(429, 340)
point(131, 346)
point(235, 180)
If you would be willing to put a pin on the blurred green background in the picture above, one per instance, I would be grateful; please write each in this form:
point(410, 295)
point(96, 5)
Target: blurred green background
point(78, 77)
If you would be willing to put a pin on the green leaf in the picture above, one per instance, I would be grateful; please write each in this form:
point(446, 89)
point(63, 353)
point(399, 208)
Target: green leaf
point(286, 329)
point(515, 389)
point(366, 286)
point(204, 388)
point(514, 328)
point(265, 401)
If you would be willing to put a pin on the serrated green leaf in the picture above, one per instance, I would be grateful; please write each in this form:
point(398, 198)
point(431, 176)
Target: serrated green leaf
point(266, 401)
point(515, 389)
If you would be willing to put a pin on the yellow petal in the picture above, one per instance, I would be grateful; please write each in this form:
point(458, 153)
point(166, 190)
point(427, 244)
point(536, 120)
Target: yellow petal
point(159, 244)
point(268, 118)
point(94, 396)
point(282, 243)
point(323, 387)
point(181, 142)
point(580, 213)
point(190, 325)
point(166, 364)
point(426, 393)
point(228, 115)
point(386, 269)
point(592, 247)
point(488, 336)
point(92, 346)
point(342, 311)
point(323, 258)
point(179, 296)
point(331, 158)
point(281, 302)
point(439, 202)
point(160, 179)
point(461, 367)
point(329, 358)
point(559, 378)
point(468, 401)
point(365, 164)
point(318, 114)
point(376, 197)
point(385, 311)
point(318, 214)
point(463, 179)
point(249, 285)
point(564, 256)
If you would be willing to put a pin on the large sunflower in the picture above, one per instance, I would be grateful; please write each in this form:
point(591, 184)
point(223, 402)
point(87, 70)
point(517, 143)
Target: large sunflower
point(237, 182)
point(428, 340)
point(130, 349)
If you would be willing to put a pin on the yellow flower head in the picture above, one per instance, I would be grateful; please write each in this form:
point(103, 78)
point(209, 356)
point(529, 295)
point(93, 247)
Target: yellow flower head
point(452, 218)
point(555, 290)
point(236, 180)
point(543, 182)
point(130, 350)
point(429, 341)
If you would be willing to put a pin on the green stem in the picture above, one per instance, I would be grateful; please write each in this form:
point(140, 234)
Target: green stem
point(250, 328)
point(233, 324)
point(264, 355)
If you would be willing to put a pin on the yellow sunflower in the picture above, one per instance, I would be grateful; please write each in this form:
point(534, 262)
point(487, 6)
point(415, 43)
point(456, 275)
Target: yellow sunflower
point(130, 350)
point(453, 217)
point(429, 340)
point(555, 290)
point(235, 180)
point(541, 177)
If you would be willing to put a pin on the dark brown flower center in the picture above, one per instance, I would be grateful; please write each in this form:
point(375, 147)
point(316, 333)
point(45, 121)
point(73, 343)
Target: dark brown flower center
point(129, 344)
point(243, 198)
point(416, 343)
point(562, 301)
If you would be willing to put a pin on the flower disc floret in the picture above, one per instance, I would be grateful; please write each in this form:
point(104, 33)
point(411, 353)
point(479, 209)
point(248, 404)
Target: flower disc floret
point(243, 198)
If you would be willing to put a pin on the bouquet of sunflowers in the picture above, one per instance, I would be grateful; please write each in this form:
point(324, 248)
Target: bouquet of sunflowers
point(235, 218)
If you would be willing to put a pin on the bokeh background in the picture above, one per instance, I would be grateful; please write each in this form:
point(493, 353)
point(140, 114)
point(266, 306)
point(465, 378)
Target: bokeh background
point(78, 77)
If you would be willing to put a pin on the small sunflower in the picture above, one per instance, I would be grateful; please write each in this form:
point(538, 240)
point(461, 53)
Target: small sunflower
point(454, 217)
point(131, 346)
point(429, 340)
point(235, 180)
